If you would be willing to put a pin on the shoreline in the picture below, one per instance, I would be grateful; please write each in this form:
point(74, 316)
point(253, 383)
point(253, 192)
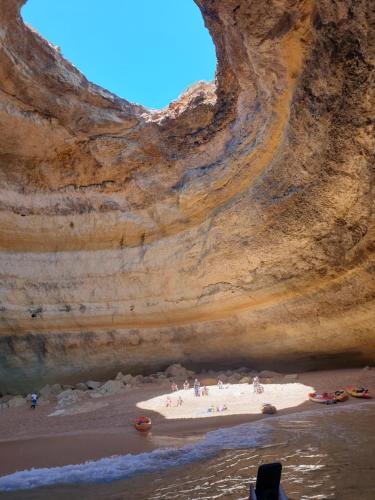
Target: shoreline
point(34, 439)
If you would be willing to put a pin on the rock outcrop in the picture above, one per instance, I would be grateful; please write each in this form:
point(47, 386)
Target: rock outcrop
point(234, 226)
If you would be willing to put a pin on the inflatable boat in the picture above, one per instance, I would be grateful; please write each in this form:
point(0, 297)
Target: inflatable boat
point(143, 424)
point(358, 392)
point(341, 396)
point(325, 398)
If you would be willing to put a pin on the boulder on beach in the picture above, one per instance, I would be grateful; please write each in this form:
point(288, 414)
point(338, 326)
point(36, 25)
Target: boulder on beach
point(4, 403)
point(92, 384)
point(126, 379)
point(235, 378)
point(95, 394)
point(16, 402)
point(291, 377)
point(138, 379)
point(131, 380)
point(50, 391)
point(268, 380)
point(245, 380)
point(81, 386)
point(120, 376)
point(111, 387)
point(178, 371)
point(241, 370)
point(69, 397)
point(269, 374)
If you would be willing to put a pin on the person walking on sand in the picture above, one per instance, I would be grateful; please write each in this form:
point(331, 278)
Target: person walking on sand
point(179, 401)
point(168, 402)
point(197, 386)
point(34, 399)
point(174, 387)
point(186, 385)
point(220, 384)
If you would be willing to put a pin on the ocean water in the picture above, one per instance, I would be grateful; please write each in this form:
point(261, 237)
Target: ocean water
point(326, 454)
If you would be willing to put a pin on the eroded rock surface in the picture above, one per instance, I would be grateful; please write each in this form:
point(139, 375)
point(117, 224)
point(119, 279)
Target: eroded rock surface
point(234, 226)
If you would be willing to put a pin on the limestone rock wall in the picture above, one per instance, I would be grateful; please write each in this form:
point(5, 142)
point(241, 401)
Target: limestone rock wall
point(234, 226)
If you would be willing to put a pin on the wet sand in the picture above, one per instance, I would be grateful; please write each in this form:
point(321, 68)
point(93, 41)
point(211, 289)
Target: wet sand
point(35, 439)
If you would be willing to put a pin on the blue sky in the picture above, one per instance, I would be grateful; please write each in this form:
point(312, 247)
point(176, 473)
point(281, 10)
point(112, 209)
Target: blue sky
point(147, 51)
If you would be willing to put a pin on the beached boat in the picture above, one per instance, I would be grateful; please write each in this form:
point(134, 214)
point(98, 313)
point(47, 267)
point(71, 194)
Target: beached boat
point(143, 424)
point(358, 392)
point(325, 398)
point(341, 396)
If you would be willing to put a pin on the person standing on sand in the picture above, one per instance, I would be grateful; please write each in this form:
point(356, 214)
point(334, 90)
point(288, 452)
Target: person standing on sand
point(204, 391)
point(220, 384)
point(255, 383)
point(197, 386)
point(258, 388)
point(34, 399)
point(186, 385)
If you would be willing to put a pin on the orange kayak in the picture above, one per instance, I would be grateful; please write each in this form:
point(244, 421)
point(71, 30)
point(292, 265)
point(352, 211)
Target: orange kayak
point(143, 424)
point(358, 392)
point(324, 398)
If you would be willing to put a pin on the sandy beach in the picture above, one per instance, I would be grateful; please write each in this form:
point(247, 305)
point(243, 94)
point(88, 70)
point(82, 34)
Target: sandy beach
point(92, 430)
point(230, 399)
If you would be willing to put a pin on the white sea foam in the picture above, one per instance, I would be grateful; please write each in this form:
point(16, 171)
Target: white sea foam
point(125, 466)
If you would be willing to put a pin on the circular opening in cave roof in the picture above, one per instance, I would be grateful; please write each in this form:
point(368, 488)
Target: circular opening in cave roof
point(145, 51)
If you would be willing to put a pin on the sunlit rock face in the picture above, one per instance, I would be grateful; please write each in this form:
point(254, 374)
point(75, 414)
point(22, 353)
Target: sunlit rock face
point(233, 227)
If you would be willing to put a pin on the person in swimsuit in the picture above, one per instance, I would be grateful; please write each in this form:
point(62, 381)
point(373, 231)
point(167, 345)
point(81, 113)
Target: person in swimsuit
point(197, 386)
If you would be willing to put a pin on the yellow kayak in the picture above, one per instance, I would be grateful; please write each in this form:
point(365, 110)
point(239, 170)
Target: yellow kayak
point(358, 392)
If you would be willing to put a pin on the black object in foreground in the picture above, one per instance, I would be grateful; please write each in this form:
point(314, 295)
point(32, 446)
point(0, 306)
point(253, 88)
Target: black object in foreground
point(268, 483)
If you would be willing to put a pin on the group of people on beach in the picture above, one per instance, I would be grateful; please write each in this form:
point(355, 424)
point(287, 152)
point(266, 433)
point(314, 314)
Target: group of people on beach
point(218, 409)
point(198, 391)
point(203, 391)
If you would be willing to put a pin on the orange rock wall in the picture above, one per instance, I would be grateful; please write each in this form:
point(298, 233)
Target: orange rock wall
point(234, 226)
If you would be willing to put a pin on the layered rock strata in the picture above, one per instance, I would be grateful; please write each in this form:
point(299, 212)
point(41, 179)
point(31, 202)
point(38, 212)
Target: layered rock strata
point(234, 226)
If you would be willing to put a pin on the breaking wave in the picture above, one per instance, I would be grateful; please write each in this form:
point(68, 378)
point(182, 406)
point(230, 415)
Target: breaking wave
point(115, 468)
